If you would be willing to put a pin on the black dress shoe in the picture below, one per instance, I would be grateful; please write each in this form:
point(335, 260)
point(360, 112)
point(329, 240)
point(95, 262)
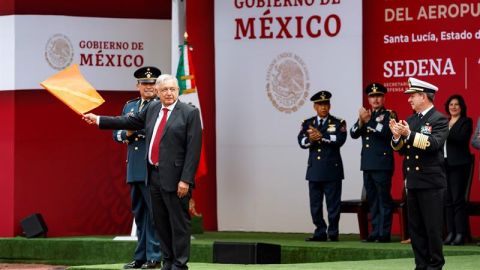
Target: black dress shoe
point(151, 264)
point(166, 266)
point(321, 238)
point(370, 239)
point(133, 264)
point(383, 239)
point(448, 240)
point(333, 238)
point(459, 240)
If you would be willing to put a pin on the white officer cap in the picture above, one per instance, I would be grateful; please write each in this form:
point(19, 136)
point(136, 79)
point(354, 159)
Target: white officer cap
point(416, 85)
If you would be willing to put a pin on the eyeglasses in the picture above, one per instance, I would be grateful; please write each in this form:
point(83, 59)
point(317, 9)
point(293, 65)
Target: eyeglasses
point(171, 89)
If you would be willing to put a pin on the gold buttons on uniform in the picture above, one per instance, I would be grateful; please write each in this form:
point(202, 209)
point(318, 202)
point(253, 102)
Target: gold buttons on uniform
point(408, 168)
point(417, 168)
point(408, 146)
point(367, 145)
point(136, 148)
point(318, 157)
point(319, 150)
point(367, 138)
point(384, 153)
point(408, 157)
point(416, 156)
point(136, 139)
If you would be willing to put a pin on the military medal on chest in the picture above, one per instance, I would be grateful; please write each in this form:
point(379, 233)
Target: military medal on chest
point(427, 129)
point(380, 118)
point(131, 112)
point(331, 128)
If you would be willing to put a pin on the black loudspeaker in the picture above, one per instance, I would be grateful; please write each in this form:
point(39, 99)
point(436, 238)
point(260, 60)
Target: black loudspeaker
point(246, 253)
point(34, 226)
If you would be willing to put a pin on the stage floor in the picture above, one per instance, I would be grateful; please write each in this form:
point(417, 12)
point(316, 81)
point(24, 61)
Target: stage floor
point(349, 253)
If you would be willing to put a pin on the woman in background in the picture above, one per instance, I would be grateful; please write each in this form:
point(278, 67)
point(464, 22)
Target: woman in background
point(457, 161)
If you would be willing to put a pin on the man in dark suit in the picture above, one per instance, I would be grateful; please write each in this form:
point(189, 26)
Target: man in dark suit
point(147, 252)
point(173, 137)
point(377, 160)
point(323, 135)
point(420, 140)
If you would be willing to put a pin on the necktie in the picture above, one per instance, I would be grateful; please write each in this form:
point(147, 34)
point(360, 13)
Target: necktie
point(320, 124)
point(142, 103)
point(415, 121)
point(155, 149)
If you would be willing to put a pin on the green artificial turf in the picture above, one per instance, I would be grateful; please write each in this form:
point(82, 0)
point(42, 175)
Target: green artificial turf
point(103, 250)
point(452, 263)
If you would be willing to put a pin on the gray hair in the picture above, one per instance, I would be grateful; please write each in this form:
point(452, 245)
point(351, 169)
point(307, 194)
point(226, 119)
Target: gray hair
point(430, 96)
point(165, 78)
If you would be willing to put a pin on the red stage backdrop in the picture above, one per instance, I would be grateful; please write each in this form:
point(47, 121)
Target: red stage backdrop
point(52, 163)
point(199, 25)
point(436, 41)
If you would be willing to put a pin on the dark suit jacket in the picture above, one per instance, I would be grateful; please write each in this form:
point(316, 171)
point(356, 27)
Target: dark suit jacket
point(324, 159)
point(423, 163)
point(180, 145)
point(377, 154)
point(458, 142)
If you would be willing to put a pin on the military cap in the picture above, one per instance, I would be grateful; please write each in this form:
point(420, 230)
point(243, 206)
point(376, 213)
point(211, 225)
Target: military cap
point(416, 85)
point(321, 96)
point(375, 89)
point(147, 74)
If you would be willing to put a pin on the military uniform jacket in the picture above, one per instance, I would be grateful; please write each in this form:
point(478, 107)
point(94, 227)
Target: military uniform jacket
point(423, 164)
point(377, 154)
point(324, 159)
point(136, 164)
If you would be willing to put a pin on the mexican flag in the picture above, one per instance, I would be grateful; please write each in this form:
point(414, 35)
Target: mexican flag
point(189, 94)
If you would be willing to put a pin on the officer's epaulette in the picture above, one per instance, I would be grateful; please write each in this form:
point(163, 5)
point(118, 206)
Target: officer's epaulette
point(309, 119)
point(393, 114)
point(133, 100)
point(337, 118)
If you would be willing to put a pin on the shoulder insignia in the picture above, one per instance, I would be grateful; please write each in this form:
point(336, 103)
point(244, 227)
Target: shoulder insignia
point(308, 119)
point(393, 114)
point(133, 100)
point(337, 118)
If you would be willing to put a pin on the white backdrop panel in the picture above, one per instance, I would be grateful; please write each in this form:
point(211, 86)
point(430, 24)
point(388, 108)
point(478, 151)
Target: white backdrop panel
point(7, 52)
point(46, 44)
point(260, 167)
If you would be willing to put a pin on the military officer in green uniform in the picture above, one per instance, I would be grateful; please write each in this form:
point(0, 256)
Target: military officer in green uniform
point(376, 160)
point(323, 135)
point(147, 252)
point(420, 139)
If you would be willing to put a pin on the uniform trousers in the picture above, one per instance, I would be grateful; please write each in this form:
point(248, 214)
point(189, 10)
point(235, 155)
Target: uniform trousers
point(332, 190)
point(425, 220)
point(148, 247)
point(378, 185)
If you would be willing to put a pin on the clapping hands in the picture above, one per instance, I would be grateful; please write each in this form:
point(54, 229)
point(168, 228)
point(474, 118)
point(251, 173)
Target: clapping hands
point(400, 128)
